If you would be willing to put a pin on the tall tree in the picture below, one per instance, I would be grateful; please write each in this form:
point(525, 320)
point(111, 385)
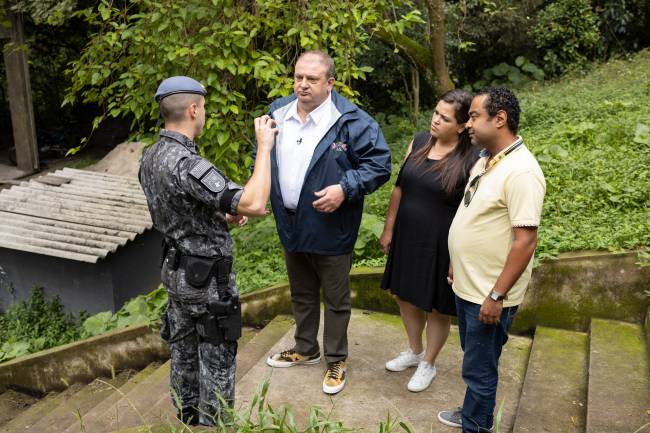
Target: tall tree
point(430, 55)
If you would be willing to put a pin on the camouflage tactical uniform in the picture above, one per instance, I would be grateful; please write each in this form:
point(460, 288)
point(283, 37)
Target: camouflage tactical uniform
point(188, 200)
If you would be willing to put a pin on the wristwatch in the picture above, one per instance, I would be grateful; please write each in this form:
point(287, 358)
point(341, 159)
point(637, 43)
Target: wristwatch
point(495, 296)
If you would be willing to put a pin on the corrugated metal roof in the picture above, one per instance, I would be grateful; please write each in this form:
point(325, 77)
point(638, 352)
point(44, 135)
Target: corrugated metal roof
point(73, 214)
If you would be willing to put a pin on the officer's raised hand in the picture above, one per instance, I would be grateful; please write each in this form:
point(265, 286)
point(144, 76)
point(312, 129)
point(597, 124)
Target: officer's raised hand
point(265, 132)
point(257, 189)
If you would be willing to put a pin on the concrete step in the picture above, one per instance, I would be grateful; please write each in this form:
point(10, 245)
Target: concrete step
point(13, 403)
point(554, 395)
point(90, 415)
point(250, 350)
point(149, 397)
point(44, 406)
point(619, 386)
point(372, 392)
point(67, 412)
point(128, 410)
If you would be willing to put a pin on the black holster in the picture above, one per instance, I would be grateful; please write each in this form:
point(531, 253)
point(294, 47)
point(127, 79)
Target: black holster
point(222, 322)
point(228, 315)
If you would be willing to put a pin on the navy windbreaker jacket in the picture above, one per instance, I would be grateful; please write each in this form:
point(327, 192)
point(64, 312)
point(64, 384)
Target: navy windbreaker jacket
point(354, 154)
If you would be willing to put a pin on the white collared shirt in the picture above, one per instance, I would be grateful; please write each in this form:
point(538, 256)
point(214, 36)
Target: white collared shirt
point(295, 147)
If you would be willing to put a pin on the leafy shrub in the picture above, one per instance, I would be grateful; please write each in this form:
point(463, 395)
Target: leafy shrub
point(513, 76)
point(567, 31)
point(36, 324)
point(143, 309)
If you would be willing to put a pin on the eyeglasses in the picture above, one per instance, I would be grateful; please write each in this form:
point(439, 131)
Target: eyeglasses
point(469, 195)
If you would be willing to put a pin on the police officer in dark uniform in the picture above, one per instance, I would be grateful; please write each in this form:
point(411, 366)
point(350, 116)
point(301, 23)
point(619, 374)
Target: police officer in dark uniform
point(191, 203)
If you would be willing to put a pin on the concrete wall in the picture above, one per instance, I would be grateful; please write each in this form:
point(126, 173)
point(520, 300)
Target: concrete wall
point(81, 286)
point(83, 361)
point(132, 270)
point(563, 293)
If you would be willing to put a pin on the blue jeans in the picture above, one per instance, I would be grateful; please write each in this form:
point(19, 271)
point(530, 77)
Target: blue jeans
point(481, 345)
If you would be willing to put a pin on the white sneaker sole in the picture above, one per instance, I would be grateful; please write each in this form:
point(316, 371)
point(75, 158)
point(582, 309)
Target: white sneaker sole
point(396, 369)
point(284, 364)
point(445, 422)
point(333, 389)
point(418, 389)
point(421, 388)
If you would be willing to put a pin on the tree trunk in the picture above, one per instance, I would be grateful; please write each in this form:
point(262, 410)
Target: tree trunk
point(415, 83)
point(430, 57)
point(437, 45)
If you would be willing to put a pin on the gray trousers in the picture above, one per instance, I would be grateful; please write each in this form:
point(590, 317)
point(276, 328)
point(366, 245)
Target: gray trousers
point(308, 273)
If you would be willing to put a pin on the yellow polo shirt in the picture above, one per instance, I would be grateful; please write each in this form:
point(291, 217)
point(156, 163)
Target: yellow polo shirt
point(510, 194)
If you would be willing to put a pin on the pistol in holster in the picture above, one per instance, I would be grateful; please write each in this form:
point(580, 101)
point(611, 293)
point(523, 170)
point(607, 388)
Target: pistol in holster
point(222, 322)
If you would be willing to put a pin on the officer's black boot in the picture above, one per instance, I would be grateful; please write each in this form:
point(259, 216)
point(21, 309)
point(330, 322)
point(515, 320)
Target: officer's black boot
point(189, 416)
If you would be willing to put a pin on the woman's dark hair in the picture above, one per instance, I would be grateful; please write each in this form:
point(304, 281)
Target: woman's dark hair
point(454, 167)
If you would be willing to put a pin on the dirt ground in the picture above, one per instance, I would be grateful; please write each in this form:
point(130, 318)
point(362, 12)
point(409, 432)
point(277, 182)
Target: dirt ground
point(123, 160)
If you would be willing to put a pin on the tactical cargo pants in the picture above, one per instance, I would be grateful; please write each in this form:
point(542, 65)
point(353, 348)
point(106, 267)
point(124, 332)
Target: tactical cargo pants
point(201, 372)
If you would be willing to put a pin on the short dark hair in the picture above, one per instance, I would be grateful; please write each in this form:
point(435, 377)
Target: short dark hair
point(172, 107)
point(325, 58)
point(502, 99)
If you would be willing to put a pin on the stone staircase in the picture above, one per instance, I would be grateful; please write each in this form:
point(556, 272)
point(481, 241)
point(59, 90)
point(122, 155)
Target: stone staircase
point(560, 382)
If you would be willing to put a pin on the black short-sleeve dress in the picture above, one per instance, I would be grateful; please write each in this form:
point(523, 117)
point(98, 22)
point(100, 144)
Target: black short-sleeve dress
point(418, 260)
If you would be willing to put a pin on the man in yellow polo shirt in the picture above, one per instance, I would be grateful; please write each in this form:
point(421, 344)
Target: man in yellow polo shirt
point(491, 244)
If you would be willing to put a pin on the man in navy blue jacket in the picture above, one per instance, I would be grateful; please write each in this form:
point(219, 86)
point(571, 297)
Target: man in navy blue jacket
point(329, 154)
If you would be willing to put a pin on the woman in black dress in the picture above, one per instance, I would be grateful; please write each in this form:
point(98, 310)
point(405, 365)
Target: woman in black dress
point(422, 205)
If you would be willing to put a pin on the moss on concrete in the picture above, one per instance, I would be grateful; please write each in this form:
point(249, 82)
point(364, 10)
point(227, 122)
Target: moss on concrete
point(618, 372)
point(388, 319)
point(626, 337)
point(554, 394)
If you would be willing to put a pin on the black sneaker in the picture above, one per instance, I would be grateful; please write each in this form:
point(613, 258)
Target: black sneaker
point(452, 418)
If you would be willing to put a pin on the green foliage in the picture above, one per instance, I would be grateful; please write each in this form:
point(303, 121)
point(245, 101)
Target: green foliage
point(567, 31)
point(260, 416)
point(499, 417)
point(35, 324)
point(242, 51)
point(590, 135)
point(51, 12)
point(143, 309)
point(513, 76)
point(623, 25)
point(259, 258)
point(367, 245)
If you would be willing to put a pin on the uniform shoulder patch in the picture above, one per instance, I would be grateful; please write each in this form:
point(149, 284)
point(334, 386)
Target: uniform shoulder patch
point(208, 175)
point(200, 168)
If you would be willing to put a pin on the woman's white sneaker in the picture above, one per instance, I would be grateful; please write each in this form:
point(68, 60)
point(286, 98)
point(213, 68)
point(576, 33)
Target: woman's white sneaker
point(404, 360)
point(422, 377)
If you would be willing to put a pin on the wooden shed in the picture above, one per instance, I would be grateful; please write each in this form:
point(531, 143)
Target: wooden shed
point(84, 236)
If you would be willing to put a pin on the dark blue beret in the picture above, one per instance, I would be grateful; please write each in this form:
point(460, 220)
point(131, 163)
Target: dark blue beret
point(179, 84)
